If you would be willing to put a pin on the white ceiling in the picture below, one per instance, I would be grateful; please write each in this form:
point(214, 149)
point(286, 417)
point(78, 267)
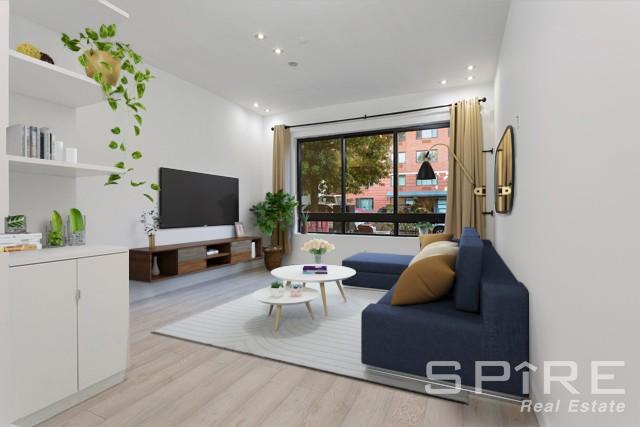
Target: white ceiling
point(348, 50)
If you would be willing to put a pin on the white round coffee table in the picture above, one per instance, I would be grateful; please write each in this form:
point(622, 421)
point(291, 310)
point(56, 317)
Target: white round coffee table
point(335, 273)
point(264, 295)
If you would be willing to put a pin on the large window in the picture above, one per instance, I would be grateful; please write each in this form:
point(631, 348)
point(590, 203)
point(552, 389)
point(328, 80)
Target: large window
point(350, 183)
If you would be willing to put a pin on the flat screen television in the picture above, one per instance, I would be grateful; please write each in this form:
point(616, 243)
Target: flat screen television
point(193, 199)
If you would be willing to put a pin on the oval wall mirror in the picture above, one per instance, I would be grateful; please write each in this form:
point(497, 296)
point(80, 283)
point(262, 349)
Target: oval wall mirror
point(504, 173)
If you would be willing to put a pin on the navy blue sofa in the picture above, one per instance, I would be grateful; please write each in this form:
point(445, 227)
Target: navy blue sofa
point(486, 318)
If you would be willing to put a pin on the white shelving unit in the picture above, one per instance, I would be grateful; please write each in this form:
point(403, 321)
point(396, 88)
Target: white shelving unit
point(57, 168)
point(70, 15)
point(38, 79)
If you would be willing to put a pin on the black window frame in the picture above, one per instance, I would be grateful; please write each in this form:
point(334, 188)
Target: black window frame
point(345, 217)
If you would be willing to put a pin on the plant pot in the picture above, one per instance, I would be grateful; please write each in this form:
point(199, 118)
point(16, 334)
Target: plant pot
point(272, 257)
point(95, 64)
point(152, 240)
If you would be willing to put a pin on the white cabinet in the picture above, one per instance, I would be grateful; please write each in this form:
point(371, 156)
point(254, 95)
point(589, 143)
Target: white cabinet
point(103, 316)
point(42, 301)
point(69, 321)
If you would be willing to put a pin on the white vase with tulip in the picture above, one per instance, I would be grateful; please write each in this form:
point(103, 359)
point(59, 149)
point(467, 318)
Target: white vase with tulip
point(317, 248)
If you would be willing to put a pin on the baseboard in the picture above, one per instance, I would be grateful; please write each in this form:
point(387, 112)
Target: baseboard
point(540, 415)
point(139, 291)
point(68, 402)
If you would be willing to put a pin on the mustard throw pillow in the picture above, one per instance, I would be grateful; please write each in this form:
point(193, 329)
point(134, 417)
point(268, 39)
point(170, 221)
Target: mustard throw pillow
point(430, 238)
point(437, 248)
point(424, 281)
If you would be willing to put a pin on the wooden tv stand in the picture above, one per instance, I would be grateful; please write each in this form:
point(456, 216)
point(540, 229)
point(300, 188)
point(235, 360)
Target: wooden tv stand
point(172, 263)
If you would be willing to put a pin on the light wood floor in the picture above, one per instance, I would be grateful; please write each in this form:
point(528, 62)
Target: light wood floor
point(176, 383)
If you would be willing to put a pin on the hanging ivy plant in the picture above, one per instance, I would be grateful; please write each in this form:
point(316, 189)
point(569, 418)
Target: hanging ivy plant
point(104, 59)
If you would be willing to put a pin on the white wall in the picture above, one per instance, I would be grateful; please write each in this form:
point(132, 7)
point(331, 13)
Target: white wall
point(569, 71)
point(4, 210)
point(185, 127)
point(348, 245)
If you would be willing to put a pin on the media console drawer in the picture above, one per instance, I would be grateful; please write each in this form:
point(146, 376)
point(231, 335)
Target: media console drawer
point(192, 266)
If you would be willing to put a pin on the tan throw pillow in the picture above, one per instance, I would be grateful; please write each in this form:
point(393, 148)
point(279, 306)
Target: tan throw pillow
point(430, 238)
point(426, 280)
point(437, 248)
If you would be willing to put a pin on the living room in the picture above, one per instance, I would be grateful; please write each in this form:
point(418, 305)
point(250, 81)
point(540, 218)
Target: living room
point(317, 213)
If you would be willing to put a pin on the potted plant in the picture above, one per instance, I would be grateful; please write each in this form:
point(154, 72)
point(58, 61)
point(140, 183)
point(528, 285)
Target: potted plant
point(103, 58)
point(304, 222)
point(277, 289)
point(151, 222)
point(273, 215)
point(424, 227)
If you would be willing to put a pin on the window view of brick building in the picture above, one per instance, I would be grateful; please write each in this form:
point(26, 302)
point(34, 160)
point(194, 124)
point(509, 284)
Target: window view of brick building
point(369, 175)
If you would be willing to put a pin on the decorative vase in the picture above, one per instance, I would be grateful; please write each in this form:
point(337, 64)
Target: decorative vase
point(76, 236)
point(152, 241)
point(55, 236)
point(95, 64)
point(317, 258)
point(156, 269)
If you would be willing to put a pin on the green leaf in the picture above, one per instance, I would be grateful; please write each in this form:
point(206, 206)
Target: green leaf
point(92, 34)
point(113, 104)
point(136, 130)
point(105, 46)
point(104, 31)
point(56, 222)
point(82, 60)
point(112, 30)
point(136, 155)
point(140, 87)
point(154, 187)
point(119, 165)
point(113, 179)
point(138, 184)
point(76, 220)
point(124, 80)
point(98, 78)
point(138, 119)
point(139, 76)
point(106, 65)
point(122, 147)
point(148, 197)
point(113, 145)
point(140, 106)
point(115, 130)
point(136, 58)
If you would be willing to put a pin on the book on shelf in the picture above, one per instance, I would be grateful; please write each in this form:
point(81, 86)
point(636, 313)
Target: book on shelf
point(253, 249)
point(212, 252)
point(33, 142)
point(20, 247)
point(20, 238)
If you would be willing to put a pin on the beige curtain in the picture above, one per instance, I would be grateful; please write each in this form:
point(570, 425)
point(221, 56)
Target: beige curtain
point(464, 209)
point(281, 142)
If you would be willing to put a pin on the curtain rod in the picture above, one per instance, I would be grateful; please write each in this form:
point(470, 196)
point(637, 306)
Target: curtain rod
point(395, 113)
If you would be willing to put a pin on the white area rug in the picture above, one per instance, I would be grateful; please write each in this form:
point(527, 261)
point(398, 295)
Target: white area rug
point(329, 343)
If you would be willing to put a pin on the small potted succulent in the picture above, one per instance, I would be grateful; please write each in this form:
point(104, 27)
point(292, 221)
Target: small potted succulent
point(295, 290)
point(55, 231)
point(304, 222)
point(317, 248)
point(276, 289)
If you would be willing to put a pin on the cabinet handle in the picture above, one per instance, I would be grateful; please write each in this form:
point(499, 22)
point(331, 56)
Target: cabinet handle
point(78, 294)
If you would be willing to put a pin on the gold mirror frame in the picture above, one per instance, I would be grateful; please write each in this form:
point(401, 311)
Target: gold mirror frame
point(504, 172)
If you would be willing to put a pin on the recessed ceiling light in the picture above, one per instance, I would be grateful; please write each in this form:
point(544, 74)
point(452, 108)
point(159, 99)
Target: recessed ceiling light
point(260, 36)
point(256, 105)
point(278, 51)
point(292, 64)
point(443, 82)
point(470, 67)
point(266, 110)
point(469, 77)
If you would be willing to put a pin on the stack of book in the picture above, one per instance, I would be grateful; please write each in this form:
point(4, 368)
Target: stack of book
point(31, 141)
point(20, 242)
point(314, 269)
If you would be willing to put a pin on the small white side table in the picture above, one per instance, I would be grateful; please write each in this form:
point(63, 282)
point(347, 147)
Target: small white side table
point(264, 295)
